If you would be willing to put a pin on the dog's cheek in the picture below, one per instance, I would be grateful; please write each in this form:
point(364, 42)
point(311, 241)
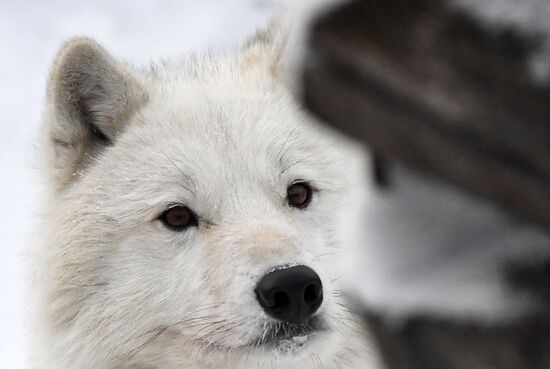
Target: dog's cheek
point(141, 285)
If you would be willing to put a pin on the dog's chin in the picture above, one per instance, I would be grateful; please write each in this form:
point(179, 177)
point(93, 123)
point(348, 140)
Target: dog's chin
point(285, 340)
point(289, 338)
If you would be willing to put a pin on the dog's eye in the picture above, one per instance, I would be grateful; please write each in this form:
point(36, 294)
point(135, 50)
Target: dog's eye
point(178, 218)
point(298, 195)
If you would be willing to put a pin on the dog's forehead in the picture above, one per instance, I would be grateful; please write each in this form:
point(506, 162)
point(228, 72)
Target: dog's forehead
point(219, 102)
point(202, 130)
point(228, 131)
point(230, 119)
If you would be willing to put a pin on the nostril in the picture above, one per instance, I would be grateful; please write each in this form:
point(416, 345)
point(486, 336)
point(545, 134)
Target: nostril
point(280, 300)
point(312, 294)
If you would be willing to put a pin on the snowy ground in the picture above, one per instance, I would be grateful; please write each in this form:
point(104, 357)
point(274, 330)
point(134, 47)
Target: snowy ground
point(30, 33)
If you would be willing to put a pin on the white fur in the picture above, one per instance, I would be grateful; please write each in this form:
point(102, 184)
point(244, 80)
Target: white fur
point(113, 287)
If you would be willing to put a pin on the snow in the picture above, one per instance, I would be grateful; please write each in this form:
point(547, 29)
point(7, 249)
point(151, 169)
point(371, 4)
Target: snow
point(291, 346)
point(30, 34)
point(423, 247)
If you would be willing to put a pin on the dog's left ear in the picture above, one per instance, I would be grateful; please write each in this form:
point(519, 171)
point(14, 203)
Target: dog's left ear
point(91, 97)
point(266, 47)
point(280, 48)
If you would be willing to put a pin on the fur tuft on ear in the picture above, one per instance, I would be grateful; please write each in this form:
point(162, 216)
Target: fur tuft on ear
point(91, 97)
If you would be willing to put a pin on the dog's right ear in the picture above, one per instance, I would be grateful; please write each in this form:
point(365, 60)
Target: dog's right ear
point(91, 97)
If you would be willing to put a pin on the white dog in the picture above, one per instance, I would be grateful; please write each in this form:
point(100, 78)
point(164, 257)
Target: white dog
point(193, 220)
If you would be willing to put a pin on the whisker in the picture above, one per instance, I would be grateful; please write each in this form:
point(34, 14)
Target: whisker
point(136, 351)
point(319, 359)
point(185, 175)
point(280, 153)
point(337, 278)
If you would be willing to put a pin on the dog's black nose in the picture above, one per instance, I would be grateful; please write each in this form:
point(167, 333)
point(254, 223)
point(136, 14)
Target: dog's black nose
point(291, 294)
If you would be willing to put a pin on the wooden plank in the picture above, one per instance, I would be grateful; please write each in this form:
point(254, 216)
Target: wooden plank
point(427, 85)
point(428, 343)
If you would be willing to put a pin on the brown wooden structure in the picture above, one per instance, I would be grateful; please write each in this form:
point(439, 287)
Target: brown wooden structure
point(429, 86)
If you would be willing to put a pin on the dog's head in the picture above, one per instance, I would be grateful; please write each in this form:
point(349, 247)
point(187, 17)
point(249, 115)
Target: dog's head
point(194, 216)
